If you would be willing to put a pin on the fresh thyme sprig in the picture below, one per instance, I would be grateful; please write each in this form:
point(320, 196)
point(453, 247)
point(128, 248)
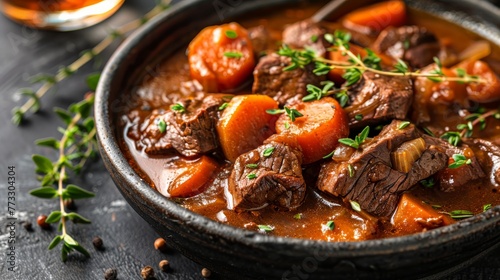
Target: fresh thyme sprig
point(356, 65)
point(466, 129)
point(358, 139)
point(33, 104)
point(77, 144)
point(290, 112)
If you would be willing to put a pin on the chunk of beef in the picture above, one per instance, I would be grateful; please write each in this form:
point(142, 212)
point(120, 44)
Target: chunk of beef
point(413, 44)
point(271, 79)
point(190, 133)
point(306, 34)
point(378, 98)
point(258, 180)
point(488, 155)
point(373, 181)
point(261, 39)
point(451, 178)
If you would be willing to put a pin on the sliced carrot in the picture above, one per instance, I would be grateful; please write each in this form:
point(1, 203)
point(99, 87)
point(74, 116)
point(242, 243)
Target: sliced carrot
point(489, 91)
point(375, 18)
point(412, 216)
point(221, 57)
point(244, 124)
point(190, 177)
point(323, 123)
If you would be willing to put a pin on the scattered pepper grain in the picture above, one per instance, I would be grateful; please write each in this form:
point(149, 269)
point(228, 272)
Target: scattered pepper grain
point(110, 274)
point(41, 222)
point(28, 226)
point(97, 242)
point(160, 244)
point(164, 265)
point(206, 273)
point(147, 273)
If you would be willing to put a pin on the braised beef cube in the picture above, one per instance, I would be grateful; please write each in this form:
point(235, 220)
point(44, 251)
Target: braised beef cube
point(259, 179)
point(413, 44)
point(370, 177)
point(378, 98)
point(306, 34)
point(270, 78)
point(449, 179)
point(261, 39)
point(488, 154)
point(190, 132)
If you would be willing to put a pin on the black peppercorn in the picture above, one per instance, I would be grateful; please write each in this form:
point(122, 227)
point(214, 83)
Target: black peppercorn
point(206, 273)
point(110, 274)
point(160, 245)
point(28, 226)
point(164, 265)
point(41, 222)
point(148, 272)
point(97, 242)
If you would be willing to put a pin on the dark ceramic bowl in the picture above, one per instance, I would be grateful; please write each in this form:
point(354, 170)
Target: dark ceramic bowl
point(237, 253)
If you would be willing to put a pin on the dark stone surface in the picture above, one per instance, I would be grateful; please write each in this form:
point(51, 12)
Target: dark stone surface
point(128, 240)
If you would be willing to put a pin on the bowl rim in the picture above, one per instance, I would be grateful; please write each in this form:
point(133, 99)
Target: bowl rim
point(110, 149)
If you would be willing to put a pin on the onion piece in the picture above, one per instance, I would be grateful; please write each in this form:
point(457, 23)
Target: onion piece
point(475, 51)
point(405, 155)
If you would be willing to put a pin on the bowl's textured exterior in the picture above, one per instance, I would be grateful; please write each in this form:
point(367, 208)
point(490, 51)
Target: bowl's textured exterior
point(241, 254)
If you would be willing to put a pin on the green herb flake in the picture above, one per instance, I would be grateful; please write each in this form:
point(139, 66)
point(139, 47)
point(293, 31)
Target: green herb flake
point(252, 176)
point(358, 140)
point(459, 160)
point(351, 170)
point(358, 117)
point(178, 107)
point(231, 34)
point(265, 228)
point(428, 183)
point(268, 151)
point(292, 113)
point(330, 225)
point(287, 125)
point(329, 155)
point(162, 126)
point(486, 207)
point(223, 106)
point(233, 54)
point(314, 38)
point(297, 216)
point(355, 206)
point(460, 214)
point(252, 165)
point(403, 125)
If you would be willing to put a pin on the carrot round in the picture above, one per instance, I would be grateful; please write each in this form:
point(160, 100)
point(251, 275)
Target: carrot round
point(190, 177)
point(323, 123)
point(244, 124)
point(375, 18)
point(221, 57)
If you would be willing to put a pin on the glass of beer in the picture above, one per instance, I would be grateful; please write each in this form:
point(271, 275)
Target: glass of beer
point(63, 15)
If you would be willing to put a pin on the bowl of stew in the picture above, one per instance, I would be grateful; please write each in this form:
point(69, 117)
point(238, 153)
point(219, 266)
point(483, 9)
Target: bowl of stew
point(265, 141)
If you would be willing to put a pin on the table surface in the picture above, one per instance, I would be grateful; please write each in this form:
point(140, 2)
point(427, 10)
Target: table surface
point(128, 239)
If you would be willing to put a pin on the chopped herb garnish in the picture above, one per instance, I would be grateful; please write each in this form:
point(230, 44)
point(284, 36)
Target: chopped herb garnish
point(265, 228)
point(358, 117)
point(330, 225)
point(290, 112)
point(358, 140)
point(428, 183)
point(403, 125)
point(459, 160)
point(460, 214)
point(252, 165)
point(406, 44)
point(252, 176)
point(223, 106)
point(355, 206)
point(300, 58)
point(297, 216)
point(329, 155)
point(162, 126)
point(401, 67)
point(453, 137)
point(287, 125)
point(342, 98)
point(233, 54)
point(351, 170)
point(314, 38)
point(486, 207)
point(178, 107)
point(231, 34)
point(428, 131)
point(435, 206)
point(268, 151)
point(316, 93)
